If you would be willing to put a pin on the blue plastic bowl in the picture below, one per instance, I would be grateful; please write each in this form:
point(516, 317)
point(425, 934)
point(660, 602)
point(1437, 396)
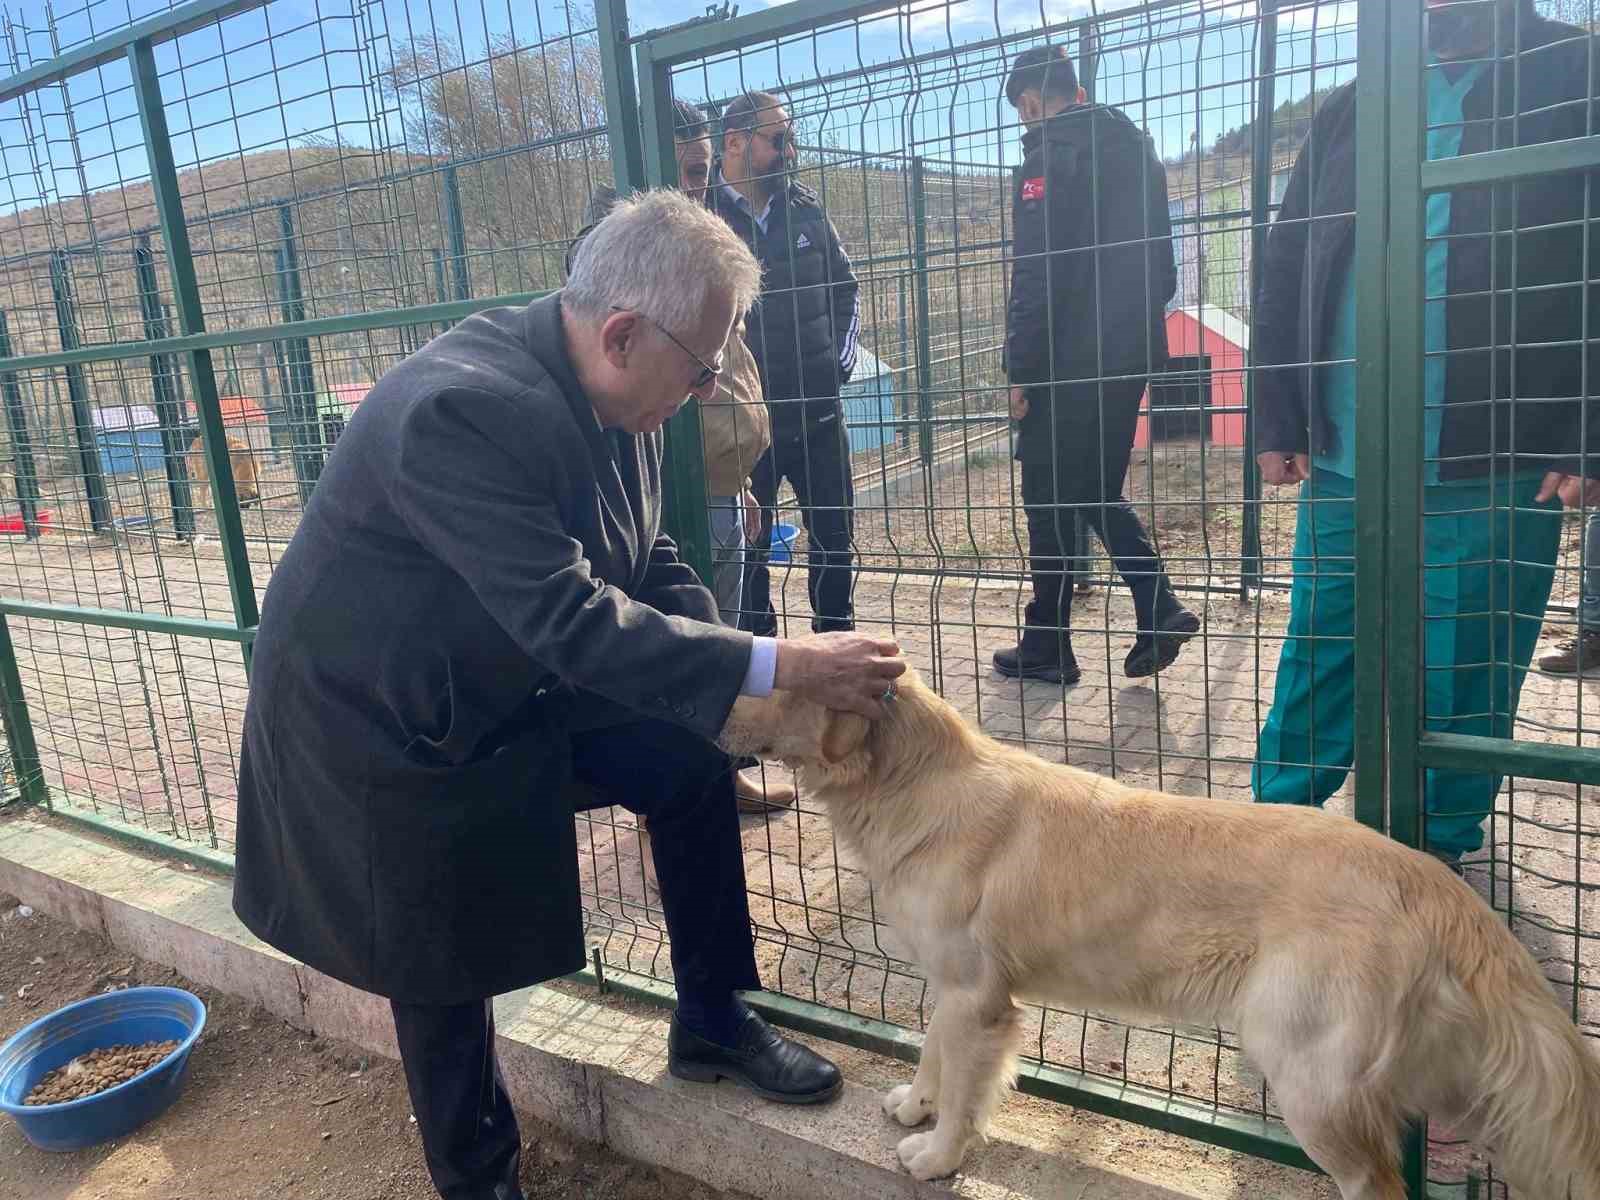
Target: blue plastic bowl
point(128, 1018)
point(783, 542)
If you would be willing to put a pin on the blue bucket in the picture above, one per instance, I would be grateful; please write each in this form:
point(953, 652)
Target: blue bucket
point(128, 1018)
point(783, 542)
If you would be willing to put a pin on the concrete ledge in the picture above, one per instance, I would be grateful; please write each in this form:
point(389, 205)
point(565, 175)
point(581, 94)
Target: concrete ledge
point(598, 1070)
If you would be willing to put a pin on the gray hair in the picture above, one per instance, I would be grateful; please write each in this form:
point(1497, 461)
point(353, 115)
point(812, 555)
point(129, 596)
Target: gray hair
point(661, 254)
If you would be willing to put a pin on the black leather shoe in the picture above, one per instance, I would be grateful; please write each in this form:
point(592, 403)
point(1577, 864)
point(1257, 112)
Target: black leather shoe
point(1036, 658)
point(1151, 655)
point(767, 1063)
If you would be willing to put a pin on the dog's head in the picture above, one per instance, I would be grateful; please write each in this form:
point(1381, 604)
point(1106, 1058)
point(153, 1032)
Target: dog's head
point(833, 745)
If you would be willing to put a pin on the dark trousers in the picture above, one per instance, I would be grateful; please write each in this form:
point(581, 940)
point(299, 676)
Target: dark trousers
point(684, 787)
point(469, 1133)
point(1074, 456)
point(816, 462)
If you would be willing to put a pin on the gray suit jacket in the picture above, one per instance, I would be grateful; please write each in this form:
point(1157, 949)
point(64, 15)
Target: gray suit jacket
point(476, 552)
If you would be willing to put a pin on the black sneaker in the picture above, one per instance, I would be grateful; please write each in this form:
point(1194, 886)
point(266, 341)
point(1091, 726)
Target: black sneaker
point(1046, 660)
point(1152, 654)
point(1575, 656)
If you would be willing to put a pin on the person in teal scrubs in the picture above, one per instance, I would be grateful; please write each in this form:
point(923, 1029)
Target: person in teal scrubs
point(1502, 433)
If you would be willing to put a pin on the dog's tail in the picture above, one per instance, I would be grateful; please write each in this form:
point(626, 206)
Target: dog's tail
point(1532, 1084)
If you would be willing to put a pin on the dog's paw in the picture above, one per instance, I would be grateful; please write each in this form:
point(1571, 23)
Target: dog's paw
point(926, 1157)
point(908, 1109)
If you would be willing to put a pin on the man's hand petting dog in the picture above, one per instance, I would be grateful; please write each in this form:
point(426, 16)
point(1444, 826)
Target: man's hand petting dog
point(848, 671)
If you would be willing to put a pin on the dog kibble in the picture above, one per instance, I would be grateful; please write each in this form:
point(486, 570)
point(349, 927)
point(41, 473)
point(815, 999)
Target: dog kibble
point(94, 1072)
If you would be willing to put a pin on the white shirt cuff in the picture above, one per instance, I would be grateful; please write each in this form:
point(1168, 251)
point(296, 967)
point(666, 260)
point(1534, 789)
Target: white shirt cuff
point(763, 667)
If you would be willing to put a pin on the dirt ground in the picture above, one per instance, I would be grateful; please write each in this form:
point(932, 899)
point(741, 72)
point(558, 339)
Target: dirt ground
point(269, 1111)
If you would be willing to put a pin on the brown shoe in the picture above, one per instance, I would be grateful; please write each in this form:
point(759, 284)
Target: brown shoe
point(1575, 656)
point(758, 794)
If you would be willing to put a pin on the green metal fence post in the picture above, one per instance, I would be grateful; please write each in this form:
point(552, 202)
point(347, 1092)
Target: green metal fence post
point(622, 105)
point(1088, 60)
point(94, 484)
point(441, 293)
point(1261, 134)
point(1372, 434)
point(300, 394)
point(441, 288)
point(902, 435)
point(21, 443)
point(13, 701)
point(19, 724)
point(919, 271)
point(459, 275)
point(686, 517)
point(191, 320)
point(1401, 581)
point(163, 380)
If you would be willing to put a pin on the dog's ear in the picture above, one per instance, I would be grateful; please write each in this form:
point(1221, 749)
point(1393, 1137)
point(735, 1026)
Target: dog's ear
point(843, 736)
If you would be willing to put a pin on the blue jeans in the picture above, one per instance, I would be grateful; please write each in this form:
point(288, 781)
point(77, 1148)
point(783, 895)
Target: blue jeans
point(1589, 605)
point(727, 557)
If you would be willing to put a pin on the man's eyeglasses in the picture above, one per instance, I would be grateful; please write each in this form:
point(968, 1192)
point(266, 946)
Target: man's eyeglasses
point(708, 371)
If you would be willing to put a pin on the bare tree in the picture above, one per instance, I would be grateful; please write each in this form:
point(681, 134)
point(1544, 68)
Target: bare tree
point(523, 126)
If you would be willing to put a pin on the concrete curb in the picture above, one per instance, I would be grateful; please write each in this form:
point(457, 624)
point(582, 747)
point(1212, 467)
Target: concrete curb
point(593, 1069)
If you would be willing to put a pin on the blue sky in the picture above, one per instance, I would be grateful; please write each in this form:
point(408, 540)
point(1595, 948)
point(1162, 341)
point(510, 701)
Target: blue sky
point(269, 78)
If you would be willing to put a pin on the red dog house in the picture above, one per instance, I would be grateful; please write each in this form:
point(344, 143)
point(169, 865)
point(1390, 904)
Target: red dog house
point(1204, 381)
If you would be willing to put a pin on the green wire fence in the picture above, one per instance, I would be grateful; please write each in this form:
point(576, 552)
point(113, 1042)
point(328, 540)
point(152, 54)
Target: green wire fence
point(222, 221)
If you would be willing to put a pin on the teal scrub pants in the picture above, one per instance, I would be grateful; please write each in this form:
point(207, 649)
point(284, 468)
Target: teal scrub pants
point(1483, 608)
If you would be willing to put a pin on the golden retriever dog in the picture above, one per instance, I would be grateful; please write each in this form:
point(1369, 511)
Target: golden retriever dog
point(245, 487)
point(1365, 980)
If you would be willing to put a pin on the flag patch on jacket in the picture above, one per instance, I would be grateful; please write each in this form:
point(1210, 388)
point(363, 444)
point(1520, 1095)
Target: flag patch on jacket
point(1033, 189)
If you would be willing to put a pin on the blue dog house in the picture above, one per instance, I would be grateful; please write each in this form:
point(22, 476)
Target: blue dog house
point(128, 437)
point(869, 404)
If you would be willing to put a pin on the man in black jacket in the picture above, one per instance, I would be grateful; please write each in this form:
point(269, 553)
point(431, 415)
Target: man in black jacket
point(1507, 424)
point(803, 335)
point(1085, 329)
point(479, 607)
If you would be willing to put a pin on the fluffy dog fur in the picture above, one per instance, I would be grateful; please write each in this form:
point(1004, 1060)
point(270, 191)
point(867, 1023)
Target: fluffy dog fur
point(1366, 981)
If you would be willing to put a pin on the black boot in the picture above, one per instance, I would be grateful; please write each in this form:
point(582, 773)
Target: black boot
point(1044, 654)
point(1153, 653)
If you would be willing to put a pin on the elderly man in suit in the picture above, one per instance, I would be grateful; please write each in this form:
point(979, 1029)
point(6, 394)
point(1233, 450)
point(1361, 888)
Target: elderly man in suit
point(478, 607)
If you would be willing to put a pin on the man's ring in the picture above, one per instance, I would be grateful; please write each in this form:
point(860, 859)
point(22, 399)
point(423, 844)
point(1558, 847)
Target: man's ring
point(888, 694)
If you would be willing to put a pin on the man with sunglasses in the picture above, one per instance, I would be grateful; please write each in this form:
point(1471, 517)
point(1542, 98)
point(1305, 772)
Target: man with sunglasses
point(803, 336)
point(734, 434)
point(478, 609)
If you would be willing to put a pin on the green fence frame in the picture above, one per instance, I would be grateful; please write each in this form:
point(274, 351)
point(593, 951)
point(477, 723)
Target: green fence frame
point(136, 44)
point(1393, 749)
